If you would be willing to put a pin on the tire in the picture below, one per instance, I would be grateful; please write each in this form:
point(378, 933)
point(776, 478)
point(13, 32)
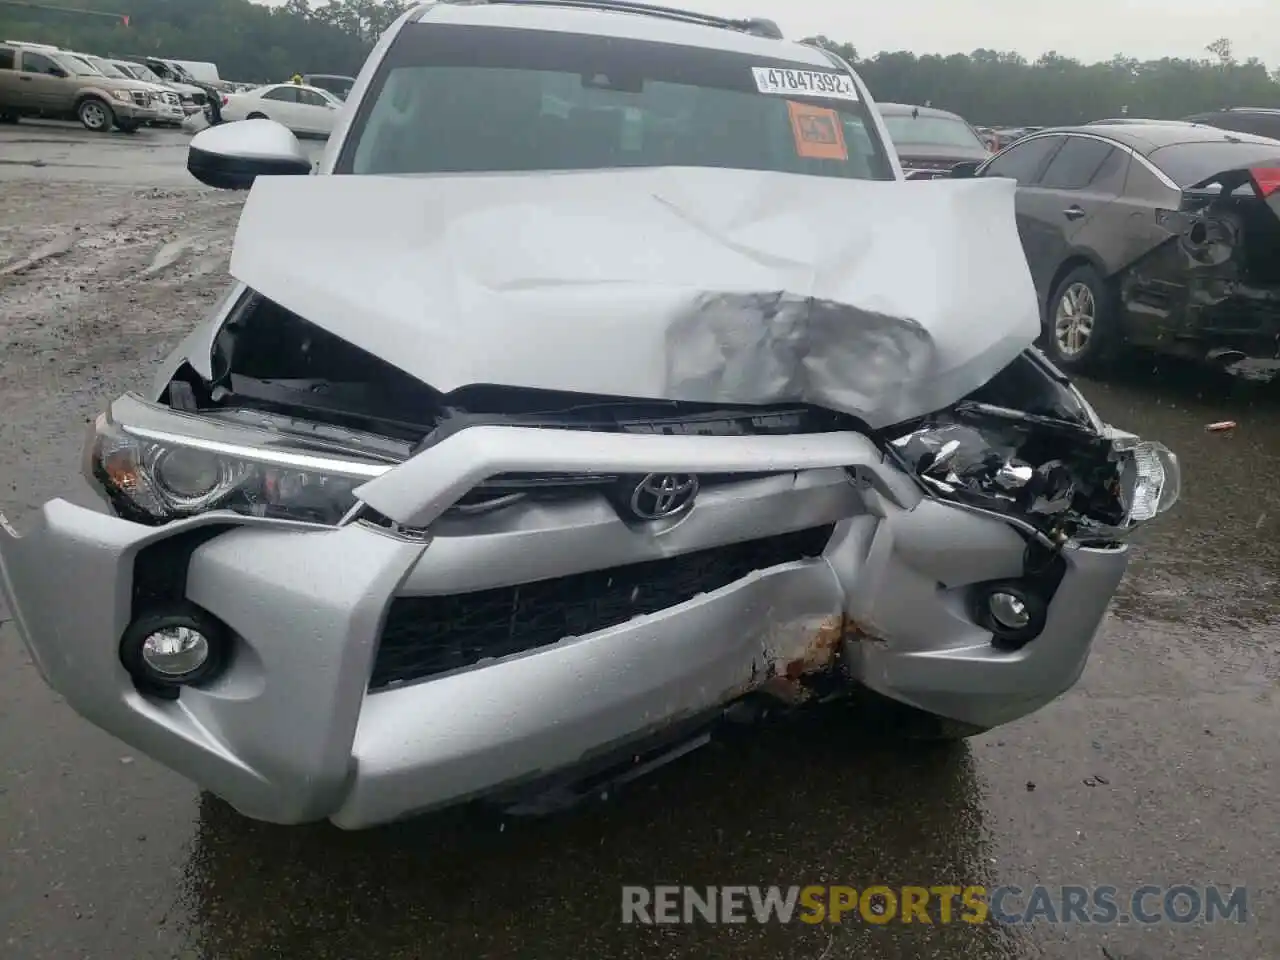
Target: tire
point(1082, 323)
point(95, 115)
point(257, 116)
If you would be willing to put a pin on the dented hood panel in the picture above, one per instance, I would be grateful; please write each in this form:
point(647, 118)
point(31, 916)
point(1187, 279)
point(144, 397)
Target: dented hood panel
point(885, 300)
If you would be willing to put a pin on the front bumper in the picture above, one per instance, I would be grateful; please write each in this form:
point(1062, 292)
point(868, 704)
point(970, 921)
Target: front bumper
point(291, 733)
point(169, 113)
point(134, 112)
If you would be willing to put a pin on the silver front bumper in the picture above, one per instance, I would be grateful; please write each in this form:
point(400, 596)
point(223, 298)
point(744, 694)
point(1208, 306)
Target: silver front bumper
point(290, 732)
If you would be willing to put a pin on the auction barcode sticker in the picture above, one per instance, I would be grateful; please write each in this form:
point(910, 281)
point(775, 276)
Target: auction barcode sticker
point(814, 83)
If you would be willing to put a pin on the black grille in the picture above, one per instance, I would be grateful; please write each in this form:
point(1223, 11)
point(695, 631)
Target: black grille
point(425, 636)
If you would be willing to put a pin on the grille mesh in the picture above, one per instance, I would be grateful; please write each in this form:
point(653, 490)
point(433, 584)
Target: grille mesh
point(425, 636)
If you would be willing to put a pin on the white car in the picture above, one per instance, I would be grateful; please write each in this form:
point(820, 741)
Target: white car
point(307, 111)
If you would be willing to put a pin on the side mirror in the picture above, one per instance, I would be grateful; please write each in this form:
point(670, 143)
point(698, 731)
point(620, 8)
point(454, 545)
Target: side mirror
point(965, 170)
point(59, 72)
point(231, 156)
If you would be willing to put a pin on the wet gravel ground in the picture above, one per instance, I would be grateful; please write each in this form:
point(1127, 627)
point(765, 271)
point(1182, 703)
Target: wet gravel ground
point(1160, 767)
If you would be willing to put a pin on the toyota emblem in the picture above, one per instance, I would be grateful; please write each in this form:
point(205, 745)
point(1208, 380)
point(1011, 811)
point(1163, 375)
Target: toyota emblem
point(662, 495)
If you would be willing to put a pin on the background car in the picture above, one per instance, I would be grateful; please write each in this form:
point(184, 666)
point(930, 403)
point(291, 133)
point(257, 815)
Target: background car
point(167, 102)
point(340, 86)
point(307, 111)
point(1261, 121)
point(1137, 121)
point(930, 141)
point(1163, 236)
point(47, 82)
point(191, 97)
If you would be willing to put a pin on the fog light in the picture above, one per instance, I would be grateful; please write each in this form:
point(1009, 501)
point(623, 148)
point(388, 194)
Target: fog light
point(175, 651)
point(175, 646)
point(1012, 610)
point(1008, 610)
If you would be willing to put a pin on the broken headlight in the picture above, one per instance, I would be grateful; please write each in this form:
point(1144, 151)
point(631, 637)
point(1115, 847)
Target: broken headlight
point(1065, 478)
point(152, 477)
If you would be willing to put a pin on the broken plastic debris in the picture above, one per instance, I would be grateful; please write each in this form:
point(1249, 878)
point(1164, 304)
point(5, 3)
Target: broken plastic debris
point(1222, 426)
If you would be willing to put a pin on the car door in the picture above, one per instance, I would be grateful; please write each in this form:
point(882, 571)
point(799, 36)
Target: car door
point(9, 92)
point(317, 112)
point(41, 82)
point(1068, 205)
point(281, 105)
point(1024, 162)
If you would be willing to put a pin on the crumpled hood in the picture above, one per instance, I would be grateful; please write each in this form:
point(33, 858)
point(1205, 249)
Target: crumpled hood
point(886, 300)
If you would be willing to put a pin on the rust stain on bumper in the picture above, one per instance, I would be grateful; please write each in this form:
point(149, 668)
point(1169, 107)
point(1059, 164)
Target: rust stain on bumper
point(786, 672)
point(819, 653)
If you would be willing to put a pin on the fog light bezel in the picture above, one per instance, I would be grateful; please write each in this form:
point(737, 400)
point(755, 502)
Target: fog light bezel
point(152, 681)
point(1003, 636)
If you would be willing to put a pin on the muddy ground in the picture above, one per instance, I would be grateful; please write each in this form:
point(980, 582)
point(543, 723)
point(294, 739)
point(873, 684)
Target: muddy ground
point(1160, 767)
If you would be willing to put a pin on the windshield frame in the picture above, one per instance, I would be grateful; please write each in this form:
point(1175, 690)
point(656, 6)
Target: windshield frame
point(68, 61)
point(147, 74)
point(456, 45)
point(107, 68)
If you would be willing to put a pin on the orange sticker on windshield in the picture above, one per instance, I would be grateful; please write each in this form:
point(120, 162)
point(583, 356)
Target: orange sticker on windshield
point(818, 131)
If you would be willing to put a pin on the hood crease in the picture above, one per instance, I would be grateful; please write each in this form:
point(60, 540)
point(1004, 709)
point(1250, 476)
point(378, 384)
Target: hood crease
point(885, 300)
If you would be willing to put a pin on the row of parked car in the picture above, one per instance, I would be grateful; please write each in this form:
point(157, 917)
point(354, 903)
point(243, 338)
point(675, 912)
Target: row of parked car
point(41, 80)
point(104, 93)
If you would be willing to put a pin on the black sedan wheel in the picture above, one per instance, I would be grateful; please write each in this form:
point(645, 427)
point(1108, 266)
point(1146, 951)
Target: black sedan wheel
point(1081, 329)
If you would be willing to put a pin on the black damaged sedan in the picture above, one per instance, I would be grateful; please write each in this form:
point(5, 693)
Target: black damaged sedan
point(1159, 236)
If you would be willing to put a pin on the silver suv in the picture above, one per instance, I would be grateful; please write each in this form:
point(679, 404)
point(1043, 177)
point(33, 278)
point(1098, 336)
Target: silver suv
point(51, 83)
point(605, 382)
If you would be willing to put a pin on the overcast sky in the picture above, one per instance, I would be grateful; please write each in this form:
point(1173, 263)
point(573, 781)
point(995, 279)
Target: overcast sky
point(1086, 29)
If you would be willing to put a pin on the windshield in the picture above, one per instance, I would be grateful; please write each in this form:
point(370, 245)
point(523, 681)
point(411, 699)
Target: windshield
point(1189, 163)
point(79, 66)
point(905, 130)
point(107, 69)
point(563, 101)
point(172, 70)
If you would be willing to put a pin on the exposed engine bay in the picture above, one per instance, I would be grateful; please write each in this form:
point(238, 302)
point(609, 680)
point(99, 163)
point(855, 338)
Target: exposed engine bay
point(1025, 444)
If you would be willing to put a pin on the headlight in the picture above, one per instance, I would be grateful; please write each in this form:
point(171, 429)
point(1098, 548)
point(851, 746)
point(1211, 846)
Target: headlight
point(1150, 478)
point(124, 95)
point(154, 478)
point(1061, 476)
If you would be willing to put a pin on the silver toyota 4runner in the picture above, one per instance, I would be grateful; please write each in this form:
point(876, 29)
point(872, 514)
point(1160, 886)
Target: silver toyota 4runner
point(606, 379)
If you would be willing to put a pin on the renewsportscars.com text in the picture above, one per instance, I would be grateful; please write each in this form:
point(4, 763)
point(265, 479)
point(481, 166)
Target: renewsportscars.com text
point(943, 904)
